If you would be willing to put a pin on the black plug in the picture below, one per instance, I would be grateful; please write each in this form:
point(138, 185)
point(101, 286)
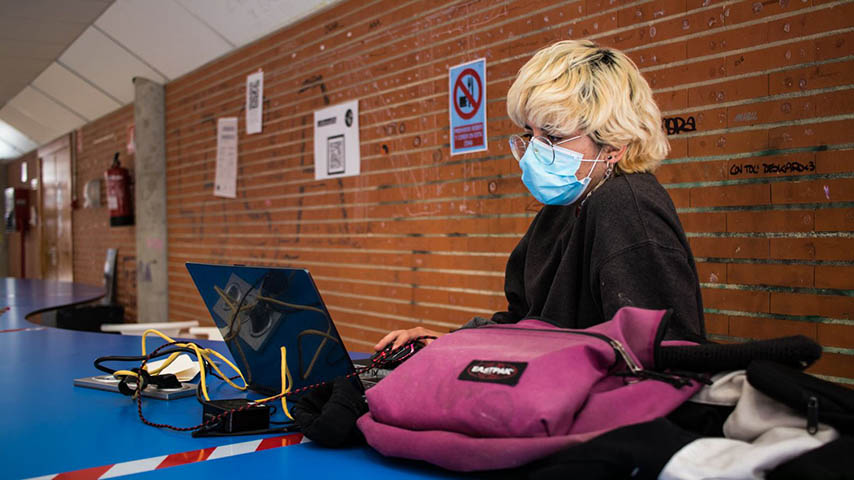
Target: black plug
point(166, 380)
point(252, 417)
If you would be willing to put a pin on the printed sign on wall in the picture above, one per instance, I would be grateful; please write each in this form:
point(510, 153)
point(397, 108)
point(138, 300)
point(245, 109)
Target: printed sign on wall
point(254, 102)
point(468, 107)
point(336, 141)
point(226, 158)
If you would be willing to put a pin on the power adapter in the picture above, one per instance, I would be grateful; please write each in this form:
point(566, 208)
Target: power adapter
point(255, 417)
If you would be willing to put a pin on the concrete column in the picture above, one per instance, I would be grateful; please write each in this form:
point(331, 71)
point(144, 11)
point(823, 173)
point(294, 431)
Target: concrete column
point(149, 116)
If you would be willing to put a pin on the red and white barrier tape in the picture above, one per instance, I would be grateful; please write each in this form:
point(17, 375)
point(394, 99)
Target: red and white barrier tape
point(175, 459)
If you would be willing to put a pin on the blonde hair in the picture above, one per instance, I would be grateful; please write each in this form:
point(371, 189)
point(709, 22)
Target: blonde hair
point(575, 85)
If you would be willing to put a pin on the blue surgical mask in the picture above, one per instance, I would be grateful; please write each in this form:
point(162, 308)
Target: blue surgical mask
point(554, 184)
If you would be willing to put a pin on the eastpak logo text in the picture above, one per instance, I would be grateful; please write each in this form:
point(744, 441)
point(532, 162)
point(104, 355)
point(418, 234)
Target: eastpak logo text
point(493, 371)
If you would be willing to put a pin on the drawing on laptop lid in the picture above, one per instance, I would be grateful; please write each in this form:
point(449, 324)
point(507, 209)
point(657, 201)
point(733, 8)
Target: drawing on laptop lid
point(260, 309)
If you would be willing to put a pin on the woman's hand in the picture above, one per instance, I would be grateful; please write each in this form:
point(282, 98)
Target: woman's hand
point(399, 338)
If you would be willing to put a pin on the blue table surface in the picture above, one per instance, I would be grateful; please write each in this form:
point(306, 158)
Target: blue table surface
point(50, 426)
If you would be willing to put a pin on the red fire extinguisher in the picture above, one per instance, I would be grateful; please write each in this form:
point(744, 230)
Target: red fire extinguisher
point(119, 194)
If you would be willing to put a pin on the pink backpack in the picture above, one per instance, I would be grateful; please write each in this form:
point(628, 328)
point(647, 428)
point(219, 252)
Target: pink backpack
point(501, 396)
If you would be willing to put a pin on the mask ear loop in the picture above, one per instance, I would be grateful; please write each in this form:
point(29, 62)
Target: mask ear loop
point(608, 172)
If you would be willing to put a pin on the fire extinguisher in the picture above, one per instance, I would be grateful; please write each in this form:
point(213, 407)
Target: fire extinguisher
point(119, 194)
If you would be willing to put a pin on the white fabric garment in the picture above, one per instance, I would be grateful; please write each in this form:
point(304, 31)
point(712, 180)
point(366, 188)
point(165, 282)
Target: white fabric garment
point(761, 433)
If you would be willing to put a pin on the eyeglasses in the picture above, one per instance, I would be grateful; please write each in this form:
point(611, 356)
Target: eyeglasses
point(543, 147)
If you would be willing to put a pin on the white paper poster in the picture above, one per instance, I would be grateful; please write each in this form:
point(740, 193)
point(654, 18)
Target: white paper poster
point(336, 141)
point(226, 158)
point(254, 102)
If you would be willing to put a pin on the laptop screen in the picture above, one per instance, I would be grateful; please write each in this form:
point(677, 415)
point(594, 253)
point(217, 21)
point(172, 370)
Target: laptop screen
point(258, 310)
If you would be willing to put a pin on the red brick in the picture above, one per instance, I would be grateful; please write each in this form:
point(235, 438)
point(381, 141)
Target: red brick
point(810, 78)
point(736, 300)
point(678, 148)
point(771, 221)
point(765, 328)
point(680, 196)
point(836, 46)
point(729, 143)
point(813, 191)
point(775, 57)
point(834, 219)
point(709, 272)
point(688, 73)
point(832, 306)
point(730, 247)
point(650, 11)
point(836, 103)
point(775, 111)
point(833, 161)
point(810, 23)
point(732, 195)
point(832, 276)
point(703, 222)
point(658, 55)
point(726, 40)
point(814, 134)
point(692, 172)
point(716, 324)
point(813, 249)
point(728, 91)
point(835, 335)
point(673, 99)
point(834, 364)
point(771, 274)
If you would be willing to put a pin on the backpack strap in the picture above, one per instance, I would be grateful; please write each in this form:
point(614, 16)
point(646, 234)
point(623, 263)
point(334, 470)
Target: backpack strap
point(796, 351)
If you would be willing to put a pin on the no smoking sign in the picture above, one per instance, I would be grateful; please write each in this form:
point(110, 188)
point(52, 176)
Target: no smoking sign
point(467, 105)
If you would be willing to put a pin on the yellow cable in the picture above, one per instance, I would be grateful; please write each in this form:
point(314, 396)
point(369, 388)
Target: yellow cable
point(287, 384)
point(206, 353)
point(201, 353)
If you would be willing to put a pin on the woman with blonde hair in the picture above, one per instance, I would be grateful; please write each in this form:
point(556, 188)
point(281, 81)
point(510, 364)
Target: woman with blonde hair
point(608, 235)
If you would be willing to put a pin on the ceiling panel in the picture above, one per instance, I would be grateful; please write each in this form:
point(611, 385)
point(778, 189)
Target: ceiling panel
point(15, 79)
point(162, 33)
point(30, 49)
point(43, 30)
point(35, 104)
point(21, 143)
point(242, 21)
point(34, 32)
point(7, 151)
point(106, 64)
point(81, 97)
point(66, 62)
point(28, 126)
point(79, 11)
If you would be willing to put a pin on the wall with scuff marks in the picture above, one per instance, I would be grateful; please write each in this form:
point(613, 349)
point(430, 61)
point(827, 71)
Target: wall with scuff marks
point(96, 143)
point(758, 105)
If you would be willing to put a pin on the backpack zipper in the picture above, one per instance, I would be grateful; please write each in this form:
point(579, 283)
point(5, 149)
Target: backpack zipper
point(635, 370)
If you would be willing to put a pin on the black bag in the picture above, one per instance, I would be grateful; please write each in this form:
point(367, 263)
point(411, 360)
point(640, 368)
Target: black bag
point(817, 399)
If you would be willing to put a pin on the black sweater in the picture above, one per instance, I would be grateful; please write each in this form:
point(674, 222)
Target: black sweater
point(625, 247)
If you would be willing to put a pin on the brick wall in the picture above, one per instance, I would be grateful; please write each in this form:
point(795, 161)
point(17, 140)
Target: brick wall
point(93, 235)
point(757, 97)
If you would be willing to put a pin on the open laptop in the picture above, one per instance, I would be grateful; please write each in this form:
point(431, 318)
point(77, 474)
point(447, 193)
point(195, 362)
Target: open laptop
point(258, 310)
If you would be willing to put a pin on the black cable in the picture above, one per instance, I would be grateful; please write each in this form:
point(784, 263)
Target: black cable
point(135, 358)
point(291, 428)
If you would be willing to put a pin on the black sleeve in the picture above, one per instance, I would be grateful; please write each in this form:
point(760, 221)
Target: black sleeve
point(514, 285)
point(649, 275)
